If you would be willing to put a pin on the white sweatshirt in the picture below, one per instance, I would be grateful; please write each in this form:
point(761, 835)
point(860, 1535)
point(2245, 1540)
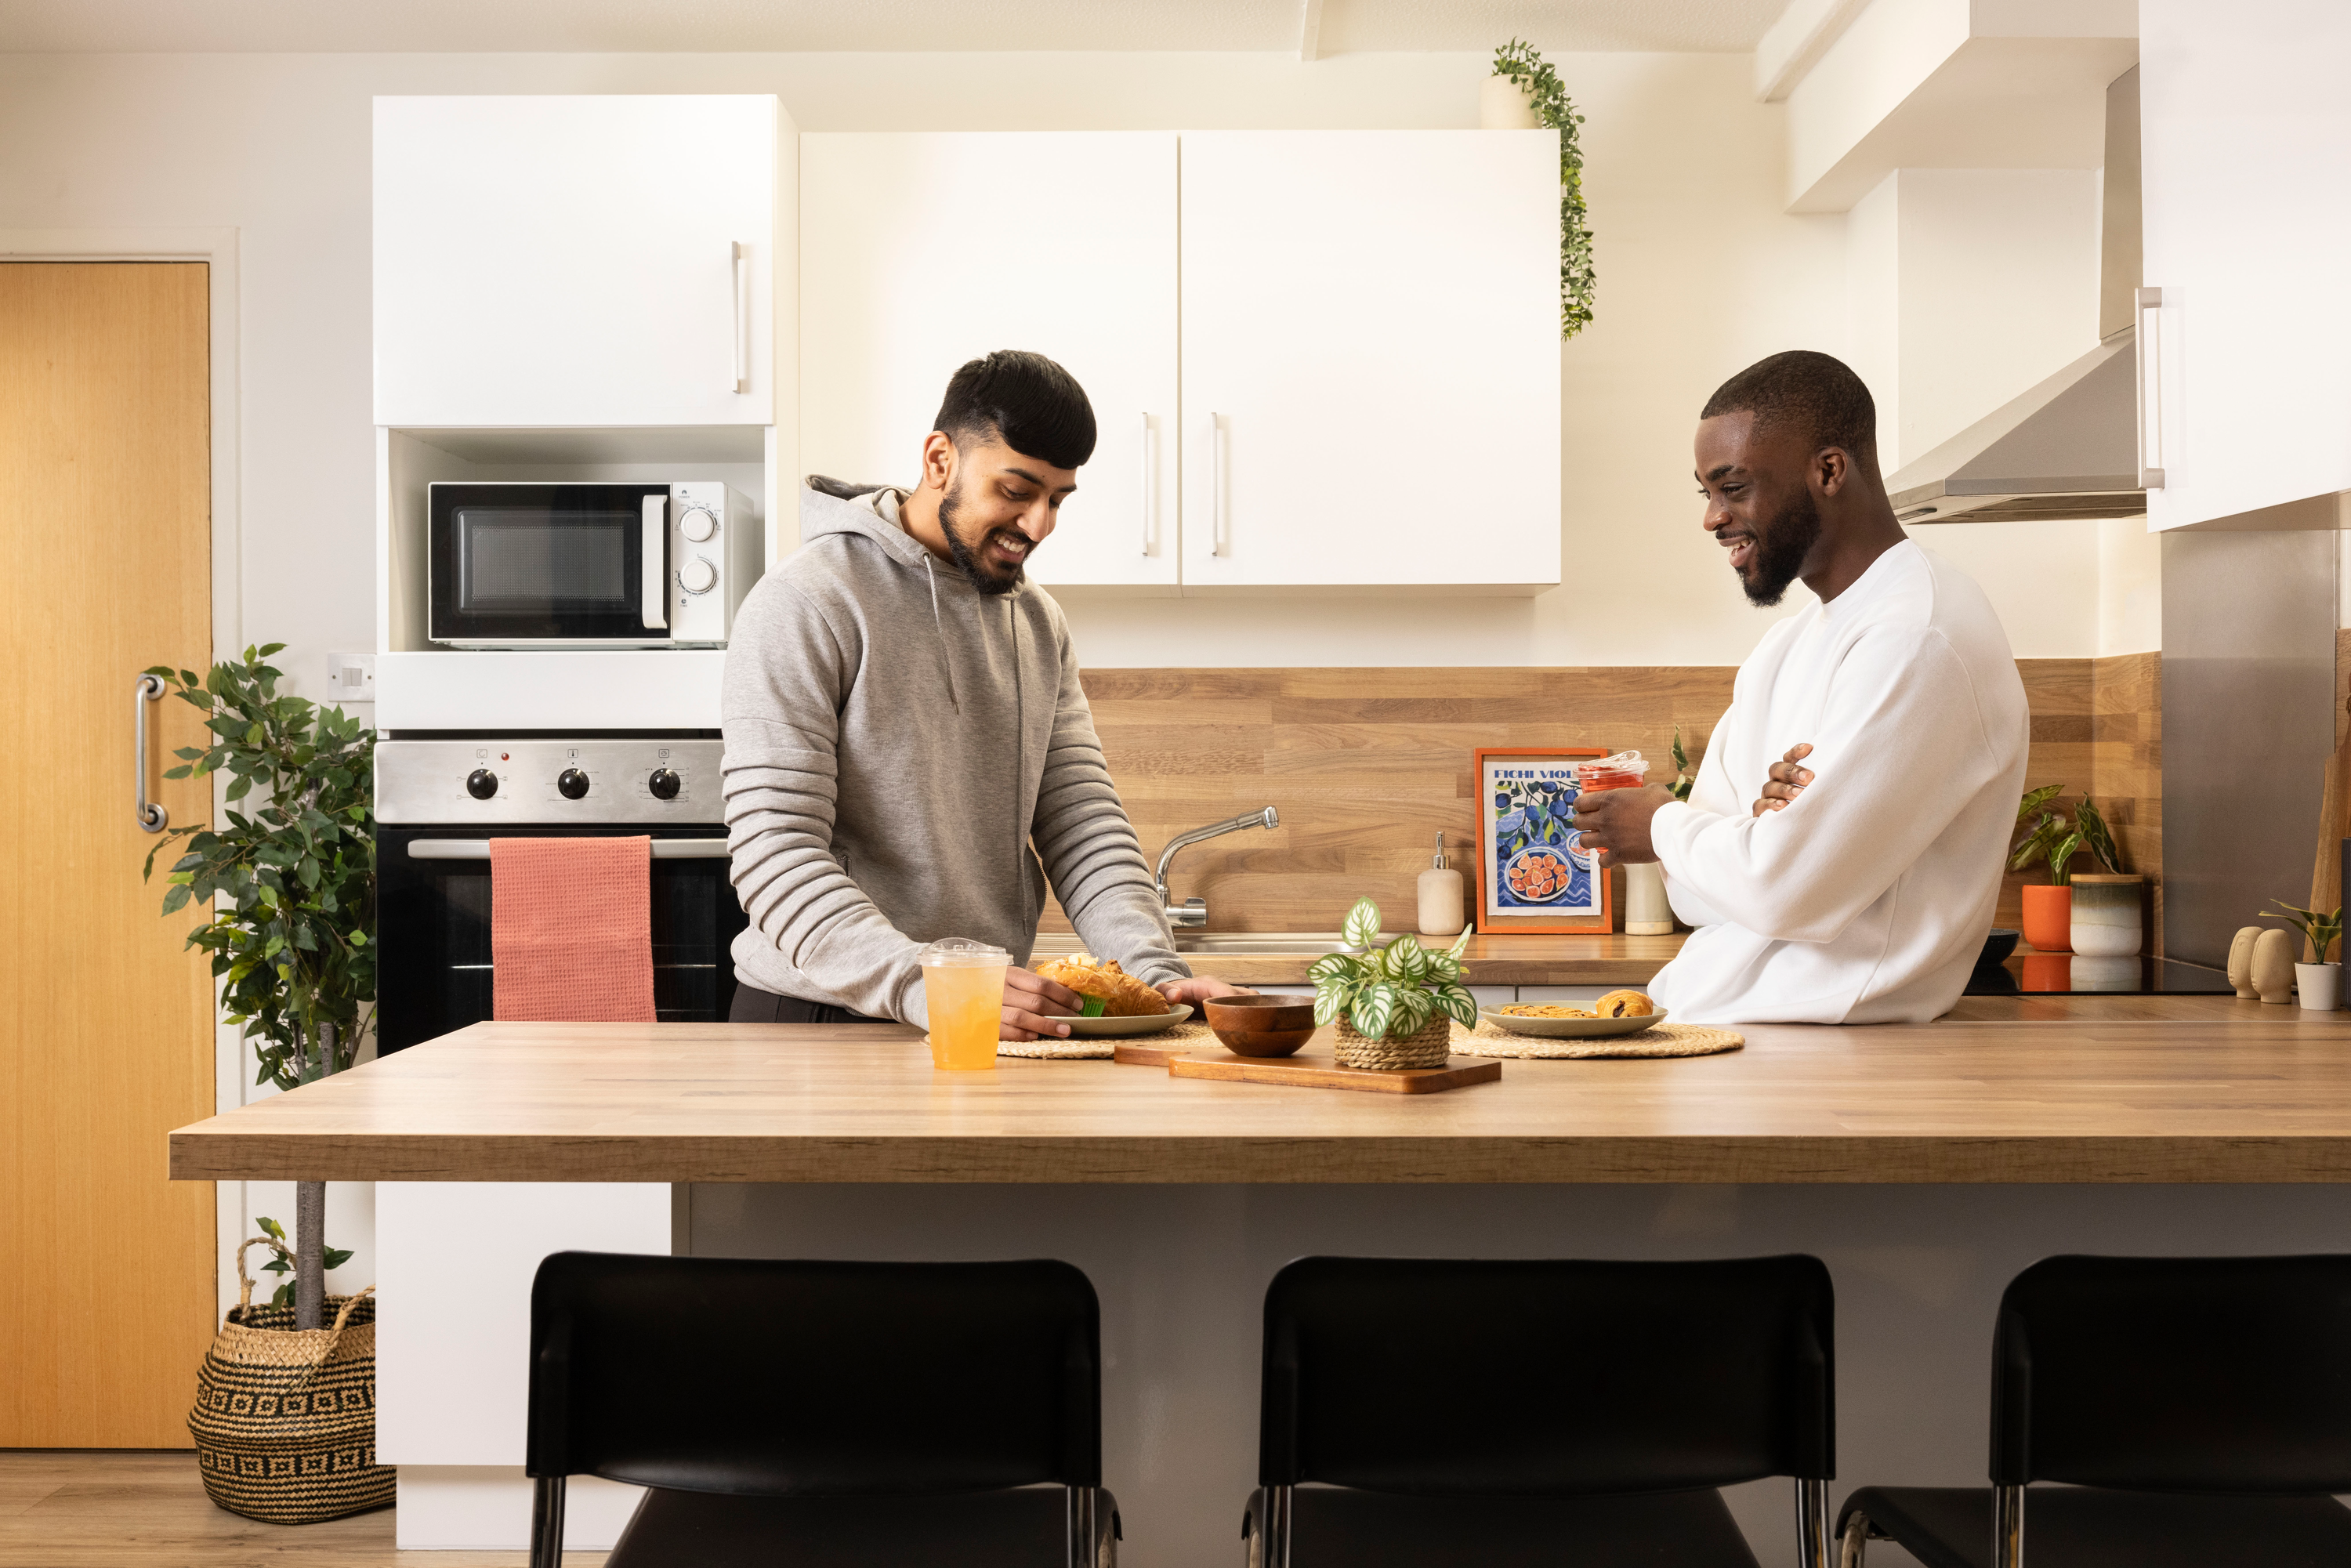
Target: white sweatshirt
point(1867, 898)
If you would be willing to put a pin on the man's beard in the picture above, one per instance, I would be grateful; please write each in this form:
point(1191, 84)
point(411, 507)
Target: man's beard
point(985, 578)
point(1781, 546)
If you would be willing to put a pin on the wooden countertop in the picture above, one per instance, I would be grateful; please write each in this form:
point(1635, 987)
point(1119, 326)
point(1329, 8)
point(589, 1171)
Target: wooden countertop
point(1613, 959)
point(2127, 1089)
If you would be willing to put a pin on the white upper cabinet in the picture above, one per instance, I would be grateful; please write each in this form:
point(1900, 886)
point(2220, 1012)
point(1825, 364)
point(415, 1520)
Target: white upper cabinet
point(1371, 360)
point(2246, 166)
point(919, 252)
point(607, 260)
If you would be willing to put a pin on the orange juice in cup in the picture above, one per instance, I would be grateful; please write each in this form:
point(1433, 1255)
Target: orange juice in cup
point(963, 989)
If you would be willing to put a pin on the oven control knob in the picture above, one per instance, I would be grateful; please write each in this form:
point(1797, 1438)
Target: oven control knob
point(663, 784)
point(698, 576)
point(572, 782)
point(481, 783)
point(698, 525)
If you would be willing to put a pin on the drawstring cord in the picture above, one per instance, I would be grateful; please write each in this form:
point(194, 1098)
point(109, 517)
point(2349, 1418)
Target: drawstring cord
point(947, 664)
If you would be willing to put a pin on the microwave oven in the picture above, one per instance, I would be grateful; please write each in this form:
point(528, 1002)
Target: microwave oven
point(531, 565)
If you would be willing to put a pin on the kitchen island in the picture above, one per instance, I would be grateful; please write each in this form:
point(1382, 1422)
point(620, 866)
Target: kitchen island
point(1926, 1164)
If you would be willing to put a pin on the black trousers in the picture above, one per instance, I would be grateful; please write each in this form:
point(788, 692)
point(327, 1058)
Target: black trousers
point(753, 1005)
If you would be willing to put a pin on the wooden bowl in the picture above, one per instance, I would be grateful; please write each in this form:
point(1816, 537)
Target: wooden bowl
point(1261, 1026)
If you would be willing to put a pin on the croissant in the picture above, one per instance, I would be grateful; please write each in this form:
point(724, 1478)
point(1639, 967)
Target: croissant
point(1122, 996)
point(1624, 1005)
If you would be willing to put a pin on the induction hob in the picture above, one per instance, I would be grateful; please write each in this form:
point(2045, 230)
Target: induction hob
point(2078, 975)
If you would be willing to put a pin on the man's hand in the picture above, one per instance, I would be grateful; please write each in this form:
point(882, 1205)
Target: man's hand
point(1616, 822)
point(1787, 781)
point(1200, 988)
point(1033, 1005)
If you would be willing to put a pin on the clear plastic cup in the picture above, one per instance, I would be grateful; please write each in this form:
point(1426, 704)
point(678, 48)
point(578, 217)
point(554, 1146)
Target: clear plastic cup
point(962, 986)
point(1626, 770)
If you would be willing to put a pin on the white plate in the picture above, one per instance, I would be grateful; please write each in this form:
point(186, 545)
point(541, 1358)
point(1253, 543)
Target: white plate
point(1572, 1028)
point(1148, 1023)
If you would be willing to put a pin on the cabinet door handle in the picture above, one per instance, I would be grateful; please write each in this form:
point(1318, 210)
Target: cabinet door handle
point(1221, 543)
point(2148, 308)
point(152, 818)
point(1150, 468)
point(742, 318)
point(652, 577)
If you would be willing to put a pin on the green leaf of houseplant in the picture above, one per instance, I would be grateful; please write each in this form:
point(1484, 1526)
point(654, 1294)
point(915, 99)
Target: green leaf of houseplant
point(1361, 927)
point(1374, 1011)
point(1459, 1004)
point(1406, 960)
point(1413, 1008)
point(2034, 800)
point(2093, 823)
point(1334, 967)
point(1329, 1001)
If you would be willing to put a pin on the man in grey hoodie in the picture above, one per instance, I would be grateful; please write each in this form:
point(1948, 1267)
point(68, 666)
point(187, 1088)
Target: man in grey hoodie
point(909, 754)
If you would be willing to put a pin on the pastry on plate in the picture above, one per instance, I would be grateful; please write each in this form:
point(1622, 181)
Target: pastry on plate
point(1121, 995)
point(1624, 1005)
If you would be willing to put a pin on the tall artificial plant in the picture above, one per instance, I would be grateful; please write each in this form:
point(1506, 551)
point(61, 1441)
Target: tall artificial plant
point(1548, 97)
point(2049, 837)
point(288, 882)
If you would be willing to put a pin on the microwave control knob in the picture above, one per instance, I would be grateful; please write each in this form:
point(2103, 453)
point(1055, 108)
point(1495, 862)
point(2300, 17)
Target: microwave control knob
point(481, 783)
point(698, 576)
point(572, 783)
point(663, 784)
point(698, 525)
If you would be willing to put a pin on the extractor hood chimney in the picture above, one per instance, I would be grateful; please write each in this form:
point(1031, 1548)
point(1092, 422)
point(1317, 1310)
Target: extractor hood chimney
point(2068, 448)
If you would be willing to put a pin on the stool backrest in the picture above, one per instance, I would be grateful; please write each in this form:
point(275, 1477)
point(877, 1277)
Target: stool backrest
point(1547, 1378)
point(781, 1377)
point(2213, 1374)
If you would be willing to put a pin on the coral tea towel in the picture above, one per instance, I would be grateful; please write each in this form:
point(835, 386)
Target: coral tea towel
point(571, 930)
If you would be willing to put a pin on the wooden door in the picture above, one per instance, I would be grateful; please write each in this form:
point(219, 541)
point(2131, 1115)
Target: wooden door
point(920, 251)
point(572, 260)
point(1370, 324)
point(106, 1037)
point(2244, 157)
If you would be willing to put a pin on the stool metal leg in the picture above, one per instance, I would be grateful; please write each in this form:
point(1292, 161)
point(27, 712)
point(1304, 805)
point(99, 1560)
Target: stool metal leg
point(1085, 1548)
point(2008, 1527)
point(1855, 1545)
point(547, 1523)
point(1813, 1523)
point(1274, 1529)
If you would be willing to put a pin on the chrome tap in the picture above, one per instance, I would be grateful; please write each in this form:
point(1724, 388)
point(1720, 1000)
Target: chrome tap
point(1194, 911)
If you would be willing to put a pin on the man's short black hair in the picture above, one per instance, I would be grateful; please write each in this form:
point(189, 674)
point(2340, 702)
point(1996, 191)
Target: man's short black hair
point(1025, 401)
point(1817, 395)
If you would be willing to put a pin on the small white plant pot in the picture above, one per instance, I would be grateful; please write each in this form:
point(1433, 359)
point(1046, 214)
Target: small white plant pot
point(2320, 986)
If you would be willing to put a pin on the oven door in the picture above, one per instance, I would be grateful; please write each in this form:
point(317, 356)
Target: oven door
point(517, 565)
point(432, 927)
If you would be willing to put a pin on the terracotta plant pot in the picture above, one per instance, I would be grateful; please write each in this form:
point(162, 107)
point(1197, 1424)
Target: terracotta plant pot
point(2049, 919)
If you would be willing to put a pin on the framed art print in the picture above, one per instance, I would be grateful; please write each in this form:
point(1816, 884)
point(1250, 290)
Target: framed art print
point(1532, 875)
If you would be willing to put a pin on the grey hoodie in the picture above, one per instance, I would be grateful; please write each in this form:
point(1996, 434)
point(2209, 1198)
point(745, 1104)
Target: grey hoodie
point(897, 742)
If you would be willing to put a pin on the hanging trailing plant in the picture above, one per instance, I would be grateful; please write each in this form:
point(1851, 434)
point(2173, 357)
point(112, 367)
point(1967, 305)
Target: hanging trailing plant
point(1548, 96)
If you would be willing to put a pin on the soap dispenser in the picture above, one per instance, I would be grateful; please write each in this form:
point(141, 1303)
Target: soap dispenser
point(1441, 896)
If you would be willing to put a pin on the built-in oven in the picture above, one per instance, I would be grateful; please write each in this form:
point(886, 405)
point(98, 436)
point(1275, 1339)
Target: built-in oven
point(440, 801)
point(602, 565)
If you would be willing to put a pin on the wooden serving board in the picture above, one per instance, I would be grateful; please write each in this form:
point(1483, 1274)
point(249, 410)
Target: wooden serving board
point(1316, 1073)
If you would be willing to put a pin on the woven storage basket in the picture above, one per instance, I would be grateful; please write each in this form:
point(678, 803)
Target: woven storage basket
point(285, 1418)
point(1427, 1047)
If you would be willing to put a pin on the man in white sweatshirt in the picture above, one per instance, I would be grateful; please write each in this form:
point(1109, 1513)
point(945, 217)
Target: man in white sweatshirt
point(1839, 854)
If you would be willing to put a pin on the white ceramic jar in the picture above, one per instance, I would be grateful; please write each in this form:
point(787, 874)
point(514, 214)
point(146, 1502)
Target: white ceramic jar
point(2107, 919)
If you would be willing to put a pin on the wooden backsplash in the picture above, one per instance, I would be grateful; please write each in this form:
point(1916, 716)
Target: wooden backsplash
point(1367, 765)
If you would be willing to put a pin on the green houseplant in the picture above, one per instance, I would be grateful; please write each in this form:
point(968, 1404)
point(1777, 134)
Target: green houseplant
point(2319, 982)
point(2048, 837)
point(1394, 1005)
point(289, 881)
point(1547, 96)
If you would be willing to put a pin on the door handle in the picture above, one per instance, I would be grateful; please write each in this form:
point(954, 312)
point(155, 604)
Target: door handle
point(2149, 352)
point(742, 319)
point(152, 818)
point(1150, 467)
point(653, 587)
point(1221, 544)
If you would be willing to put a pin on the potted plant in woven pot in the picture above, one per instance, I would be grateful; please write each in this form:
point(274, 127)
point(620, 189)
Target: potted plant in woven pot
point(284, 1412)
point(1395, 1005)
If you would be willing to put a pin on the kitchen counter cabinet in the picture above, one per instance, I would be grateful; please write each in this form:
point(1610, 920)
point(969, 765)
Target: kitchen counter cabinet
point(2184, 1089)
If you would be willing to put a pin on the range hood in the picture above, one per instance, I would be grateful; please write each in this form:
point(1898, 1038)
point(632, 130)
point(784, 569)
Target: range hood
point(2069, 447)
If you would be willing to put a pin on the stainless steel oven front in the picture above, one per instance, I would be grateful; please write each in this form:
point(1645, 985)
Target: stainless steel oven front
point(438, 804)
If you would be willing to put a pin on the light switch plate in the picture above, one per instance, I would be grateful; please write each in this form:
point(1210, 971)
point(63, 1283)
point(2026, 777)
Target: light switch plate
point(350, 677)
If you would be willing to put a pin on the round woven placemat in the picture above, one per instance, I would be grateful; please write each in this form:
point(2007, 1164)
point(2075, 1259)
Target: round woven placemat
point(1659, 1040)
point(1103, 1048)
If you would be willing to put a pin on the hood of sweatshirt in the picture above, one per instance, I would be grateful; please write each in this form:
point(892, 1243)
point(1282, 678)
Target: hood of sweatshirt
point(870, 511)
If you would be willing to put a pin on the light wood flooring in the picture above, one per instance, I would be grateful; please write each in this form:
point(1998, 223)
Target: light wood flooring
point(132, 1509)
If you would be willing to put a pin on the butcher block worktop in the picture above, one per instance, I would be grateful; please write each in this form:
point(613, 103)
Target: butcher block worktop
point(2130, 1088)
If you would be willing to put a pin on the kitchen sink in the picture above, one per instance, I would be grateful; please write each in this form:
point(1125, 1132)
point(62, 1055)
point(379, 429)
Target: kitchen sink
point(1228, 944)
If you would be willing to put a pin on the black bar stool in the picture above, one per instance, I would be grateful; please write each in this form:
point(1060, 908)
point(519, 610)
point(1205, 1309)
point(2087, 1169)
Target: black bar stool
point(2200, 1408)
point(1521, 1413)
point(823, 1413)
